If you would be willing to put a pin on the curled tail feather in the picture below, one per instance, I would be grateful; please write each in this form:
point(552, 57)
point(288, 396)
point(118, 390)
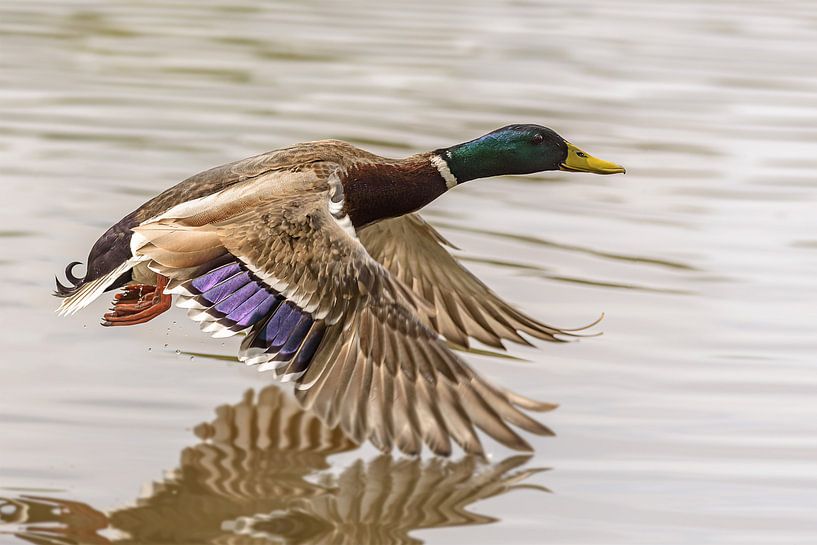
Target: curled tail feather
point(83, 291)
point(74, 282)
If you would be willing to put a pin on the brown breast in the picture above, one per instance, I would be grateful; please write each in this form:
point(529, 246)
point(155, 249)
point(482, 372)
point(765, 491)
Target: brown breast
point(375, 191)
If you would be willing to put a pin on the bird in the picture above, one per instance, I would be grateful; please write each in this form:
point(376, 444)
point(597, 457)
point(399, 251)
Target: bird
point(316, 254)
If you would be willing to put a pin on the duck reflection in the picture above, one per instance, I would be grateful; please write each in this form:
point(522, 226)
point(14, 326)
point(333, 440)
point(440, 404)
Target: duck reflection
point(260, 475)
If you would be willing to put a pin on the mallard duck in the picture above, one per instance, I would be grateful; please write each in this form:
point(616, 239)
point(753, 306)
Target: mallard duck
point(315, 252)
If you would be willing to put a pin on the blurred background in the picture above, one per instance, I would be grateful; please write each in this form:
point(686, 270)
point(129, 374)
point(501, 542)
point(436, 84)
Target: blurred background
point(692, 420)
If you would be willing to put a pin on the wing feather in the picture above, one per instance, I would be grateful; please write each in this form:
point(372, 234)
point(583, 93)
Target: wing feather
point(381, 371)
point(415, 253)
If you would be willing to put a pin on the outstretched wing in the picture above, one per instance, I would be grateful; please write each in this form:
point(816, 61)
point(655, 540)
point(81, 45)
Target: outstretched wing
point(414, 252)
point(277, 259)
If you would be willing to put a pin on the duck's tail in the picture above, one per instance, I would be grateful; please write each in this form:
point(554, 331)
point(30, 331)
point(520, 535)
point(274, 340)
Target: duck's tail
point(82, 291)
point(74, 282)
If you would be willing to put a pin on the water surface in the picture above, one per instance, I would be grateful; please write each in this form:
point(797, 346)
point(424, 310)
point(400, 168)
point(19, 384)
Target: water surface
point(690, 421)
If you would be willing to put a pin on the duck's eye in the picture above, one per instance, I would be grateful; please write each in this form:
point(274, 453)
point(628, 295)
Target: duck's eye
point(581, 154)
point(537, 139)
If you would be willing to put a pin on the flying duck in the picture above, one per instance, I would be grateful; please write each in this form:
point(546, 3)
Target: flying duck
point(316, 254)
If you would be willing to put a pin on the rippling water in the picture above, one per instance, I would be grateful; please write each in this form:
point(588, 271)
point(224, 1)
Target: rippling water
point(692, 420)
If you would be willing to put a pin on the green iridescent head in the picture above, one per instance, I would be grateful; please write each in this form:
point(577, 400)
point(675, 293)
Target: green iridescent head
point(520, 149)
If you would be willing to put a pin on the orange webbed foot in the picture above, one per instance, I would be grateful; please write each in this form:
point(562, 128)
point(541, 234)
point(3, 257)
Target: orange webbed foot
point(138, 303)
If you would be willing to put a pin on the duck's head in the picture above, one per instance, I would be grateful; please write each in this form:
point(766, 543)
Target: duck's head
point(521, 149)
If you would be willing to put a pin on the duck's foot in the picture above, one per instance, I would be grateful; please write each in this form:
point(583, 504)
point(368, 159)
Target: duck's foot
point(138, 303)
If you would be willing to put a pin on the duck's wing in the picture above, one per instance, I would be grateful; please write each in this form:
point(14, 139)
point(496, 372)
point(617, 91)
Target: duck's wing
point(111, 259)
point(415, 253)
point(278, 259)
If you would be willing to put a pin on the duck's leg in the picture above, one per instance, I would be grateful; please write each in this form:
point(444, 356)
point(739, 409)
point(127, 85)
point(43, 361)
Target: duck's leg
point(139, 303)
point(134, 294)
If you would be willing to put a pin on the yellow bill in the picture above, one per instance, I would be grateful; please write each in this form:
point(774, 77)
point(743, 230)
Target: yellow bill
point(579, 161)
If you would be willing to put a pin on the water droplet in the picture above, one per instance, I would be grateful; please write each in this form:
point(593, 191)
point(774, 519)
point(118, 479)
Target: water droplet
point(149, 349)
point(178, 351)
